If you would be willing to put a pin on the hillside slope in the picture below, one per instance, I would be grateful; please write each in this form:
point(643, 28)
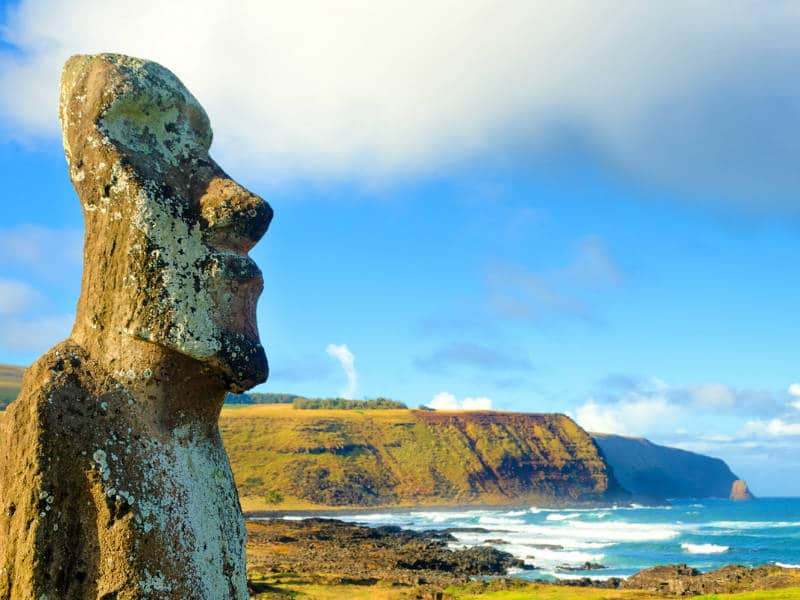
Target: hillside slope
point(330, 458)
point(10, 382)
point(648, 470)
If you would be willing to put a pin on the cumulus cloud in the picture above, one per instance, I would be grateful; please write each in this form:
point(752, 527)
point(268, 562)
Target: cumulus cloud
point(448, 401)
point(794, 392)
point(664, 92)
point(635, 416)
point(516, 292)
point(774, 427)
point(653, 407)
point(347, 361)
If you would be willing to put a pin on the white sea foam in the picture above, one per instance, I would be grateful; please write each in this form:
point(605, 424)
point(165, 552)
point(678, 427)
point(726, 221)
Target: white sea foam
point(549, 559)
point(704, 548)
point(787, 565)
point(560, 517)
point(752, 524)
point(500, 521)
point(515, 513)
point(619, 531)
point(573, 576)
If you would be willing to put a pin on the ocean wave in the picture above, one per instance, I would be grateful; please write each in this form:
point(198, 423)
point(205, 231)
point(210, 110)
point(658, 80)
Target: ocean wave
point(619, 531)
point(704, 548)
point(501, 521)
point(751, 524)
point(573, 576)
point(787, 565)
point(544, 558)
point(560, 517)
point(515, 513)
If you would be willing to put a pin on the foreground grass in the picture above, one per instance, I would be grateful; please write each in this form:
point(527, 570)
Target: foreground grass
point(545, 592)
point(785, 594)
point(321, 587)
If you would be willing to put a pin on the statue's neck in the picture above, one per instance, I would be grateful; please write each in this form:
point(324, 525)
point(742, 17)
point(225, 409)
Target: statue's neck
point(175, 389)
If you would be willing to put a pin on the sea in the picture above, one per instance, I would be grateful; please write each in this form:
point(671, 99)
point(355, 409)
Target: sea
point(705, 534)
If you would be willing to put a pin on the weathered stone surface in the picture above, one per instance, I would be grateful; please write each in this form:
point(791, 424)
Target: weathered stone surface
point(740, 491)
point(681, 580)
point(115, 483)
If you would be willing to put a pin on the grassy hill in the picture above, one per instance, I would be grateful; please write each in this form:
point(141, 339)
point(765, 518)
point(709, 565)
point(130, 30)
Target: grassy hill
point(10, 382)
point(296, 459)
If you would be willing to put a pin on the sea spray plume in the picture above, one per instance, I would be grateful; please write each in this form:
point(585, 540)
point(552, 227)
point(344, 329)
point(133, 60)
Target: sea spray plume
point(347, 360)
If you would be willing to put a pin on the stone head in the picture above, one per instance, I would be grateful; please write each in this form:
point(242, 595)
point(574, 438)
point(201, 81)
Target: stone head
point(167, 231)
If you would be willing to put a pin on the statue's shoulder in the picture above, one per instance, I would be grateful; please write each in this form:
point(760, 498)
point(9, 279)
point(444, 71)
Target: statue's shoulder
point(62, 379)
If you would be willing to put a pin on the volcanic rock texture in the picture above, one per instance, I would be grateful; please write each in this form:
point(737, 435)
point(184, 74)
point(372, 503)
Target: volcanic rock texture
point(114, 481)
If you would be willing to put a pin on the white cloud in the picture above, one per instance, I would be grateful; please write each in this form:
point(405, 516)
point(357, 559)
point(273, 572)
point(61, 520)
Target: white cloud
point(639, 416)
point(774, 427)
point(712, 395)
point(447, 401)
point(794, 391)
point(16, 297)
point(347, 361)
point(374, 89)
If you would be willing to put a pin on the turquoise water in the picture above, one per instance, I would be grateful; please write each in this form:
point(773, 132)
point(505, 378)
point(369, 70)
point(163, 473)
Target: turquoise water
point(702, 533)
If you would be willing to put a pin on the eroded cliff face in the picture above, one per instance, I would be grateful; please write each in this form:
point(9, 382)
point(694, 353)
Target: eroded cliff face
point(655, 472)
point(409, 457)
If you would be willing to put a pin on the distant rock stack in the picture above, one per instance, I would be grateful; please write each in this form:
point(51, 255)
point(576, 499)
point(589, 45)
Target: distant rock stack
point(739, 491)
point(114, 481)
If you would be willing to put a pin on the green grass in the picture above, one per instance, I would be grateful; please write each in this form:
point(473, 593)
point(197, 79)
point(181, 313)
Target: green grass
point(786, 594)
point(545, 592)
point(321, 587)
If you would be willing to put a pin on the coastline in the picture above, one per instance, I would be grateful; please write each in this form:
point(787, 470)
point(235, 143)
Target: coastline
point(333, 511)
point(339, 559)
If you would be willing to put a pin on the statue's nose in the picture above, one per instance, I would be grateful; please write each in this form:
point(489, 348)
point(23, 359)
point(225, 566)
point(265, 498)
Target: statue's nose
point(236, 218)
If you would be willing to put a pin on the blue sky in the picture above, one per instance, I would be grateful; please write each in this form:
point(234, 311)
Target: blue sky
point(603, 222)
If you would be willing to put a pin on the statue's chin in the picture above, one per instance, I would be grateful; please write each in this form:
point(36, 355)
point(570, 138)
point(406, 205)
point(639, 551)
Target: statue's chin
point(242, 362)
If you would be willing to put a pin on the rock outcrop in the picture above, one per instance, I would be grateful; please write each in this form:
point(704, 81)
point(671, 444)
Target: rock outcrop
point(114, 481)
point(653, 472)
point(389, 555)
point(740, 491)
point(680, 580)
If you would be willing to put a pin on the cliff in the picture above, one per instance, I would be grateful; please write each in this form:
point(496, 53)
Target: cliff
point(656, 472)
point(286, 458)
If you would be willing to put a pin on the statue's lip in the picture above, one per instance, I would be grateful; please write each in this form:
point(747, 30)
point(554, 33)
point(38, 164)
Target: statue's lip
point(234, 265)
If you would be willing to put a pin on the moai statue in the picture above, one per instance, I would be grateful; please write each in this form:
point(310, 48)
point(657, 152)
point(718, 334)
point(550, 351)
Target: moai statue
point(114, 482)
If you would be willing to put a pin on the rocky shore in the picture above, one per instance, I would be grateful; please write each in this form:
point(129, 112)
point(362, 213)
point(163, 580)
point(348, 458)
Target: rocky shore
point(330, 553)
point(368, 555)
